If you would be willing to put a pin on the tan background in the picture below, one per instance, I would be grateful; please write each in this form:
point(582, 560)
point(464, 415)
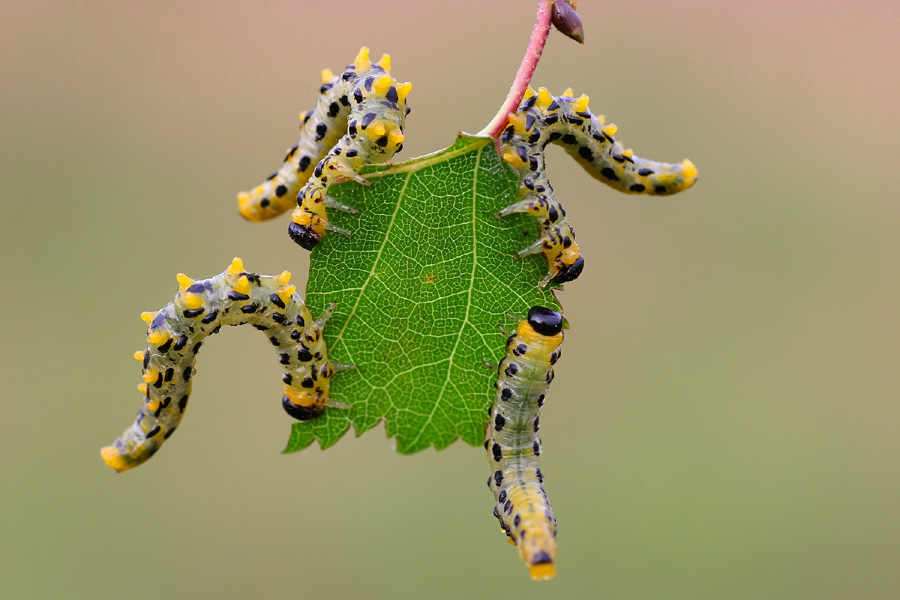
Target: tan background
point(724, 423)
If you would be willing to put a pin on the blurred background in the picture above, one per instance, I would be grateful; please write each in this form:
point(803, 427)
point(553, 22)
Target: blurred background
point(724, 423)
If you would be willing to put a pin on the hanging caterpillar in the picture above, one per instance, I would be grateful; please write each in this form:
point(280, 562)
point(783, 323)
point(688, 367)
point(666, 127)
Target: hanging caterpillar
point(542, 119)
point(358, 119)
point(513, 446)
point(200, 308)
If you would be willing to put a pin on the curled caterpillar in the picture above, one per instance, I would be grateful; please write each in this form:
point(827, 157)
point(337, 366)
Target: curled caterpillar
point(542, 119)
point(200, 308)
point(374, 134)
point(358, 119)
point(513, 446)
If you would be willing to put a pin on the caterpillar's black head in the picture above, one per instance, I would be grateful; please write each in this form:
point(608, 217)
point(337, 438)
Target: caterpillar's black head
point(572, 271)
point(304, 235)
point(301, 413)
point(544, 320)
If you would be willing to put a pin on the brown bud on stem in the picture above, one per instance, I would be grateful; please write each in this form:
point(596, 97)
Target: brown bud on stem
point(567, 21)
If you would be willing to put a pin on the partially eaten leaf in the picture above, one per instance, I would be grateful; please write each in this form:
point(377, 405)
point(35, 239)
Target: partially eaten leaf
point(421, 287)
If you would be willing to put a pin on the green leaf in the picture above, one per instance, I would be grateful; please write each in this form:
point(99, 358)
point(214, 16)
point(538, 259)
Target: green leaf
point(421, 287)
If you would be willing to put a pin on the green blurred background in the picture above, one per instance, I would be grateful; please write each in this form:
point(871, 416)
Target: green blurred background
point(724, 423)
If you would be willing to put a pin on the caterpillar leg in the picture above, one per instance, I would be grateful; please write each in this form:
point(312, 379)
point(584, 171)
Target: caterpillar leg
point(336, 229)
point(513, 447)
point(534, 248)
point(359, 179)
point(523, 206)
point(337, 367)
point(200, 308)
point(332, 203)
point(323, 318)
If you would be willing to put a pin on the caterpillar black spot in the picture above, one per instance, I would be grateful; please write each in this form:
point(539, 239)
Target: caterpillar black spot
point(567, 121)
point(200, 308)
point(512, 442)
point(358, 119)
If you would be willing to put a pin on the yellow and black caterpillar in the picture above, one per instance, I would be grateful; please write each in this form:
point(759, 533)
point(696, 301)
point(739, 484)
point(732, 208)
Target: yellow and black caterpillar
point(200, 308)
point(512, 441)
point(542, 119)
point(358, 120)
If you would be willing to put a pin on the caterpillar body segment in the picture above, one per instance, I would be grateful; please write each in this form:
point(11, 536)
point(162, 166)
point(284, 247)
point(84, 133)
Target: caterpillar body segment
point(512, 441)
point(591, 142)
point(200, 308)
point(278, 193)
point(374, 134)
point(542, 119)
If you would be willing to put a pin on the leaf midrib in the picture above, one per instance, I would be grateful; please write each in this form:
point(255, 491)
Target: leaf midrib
point(465, 320)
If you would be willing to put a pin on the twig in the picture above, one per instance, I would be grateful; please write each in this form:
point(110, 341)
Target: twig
point(526, 70)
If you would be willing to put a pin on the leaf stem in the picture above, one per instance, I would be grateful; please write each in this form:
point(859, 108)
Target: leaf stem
point(526, 70)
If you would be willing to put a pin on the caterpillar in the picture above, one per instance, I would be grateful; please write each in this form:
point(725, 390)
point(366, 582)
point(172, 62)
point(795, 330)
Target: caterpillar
point(200, 308)
point(358, 119)
point(542, 119)
point(512, 441)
